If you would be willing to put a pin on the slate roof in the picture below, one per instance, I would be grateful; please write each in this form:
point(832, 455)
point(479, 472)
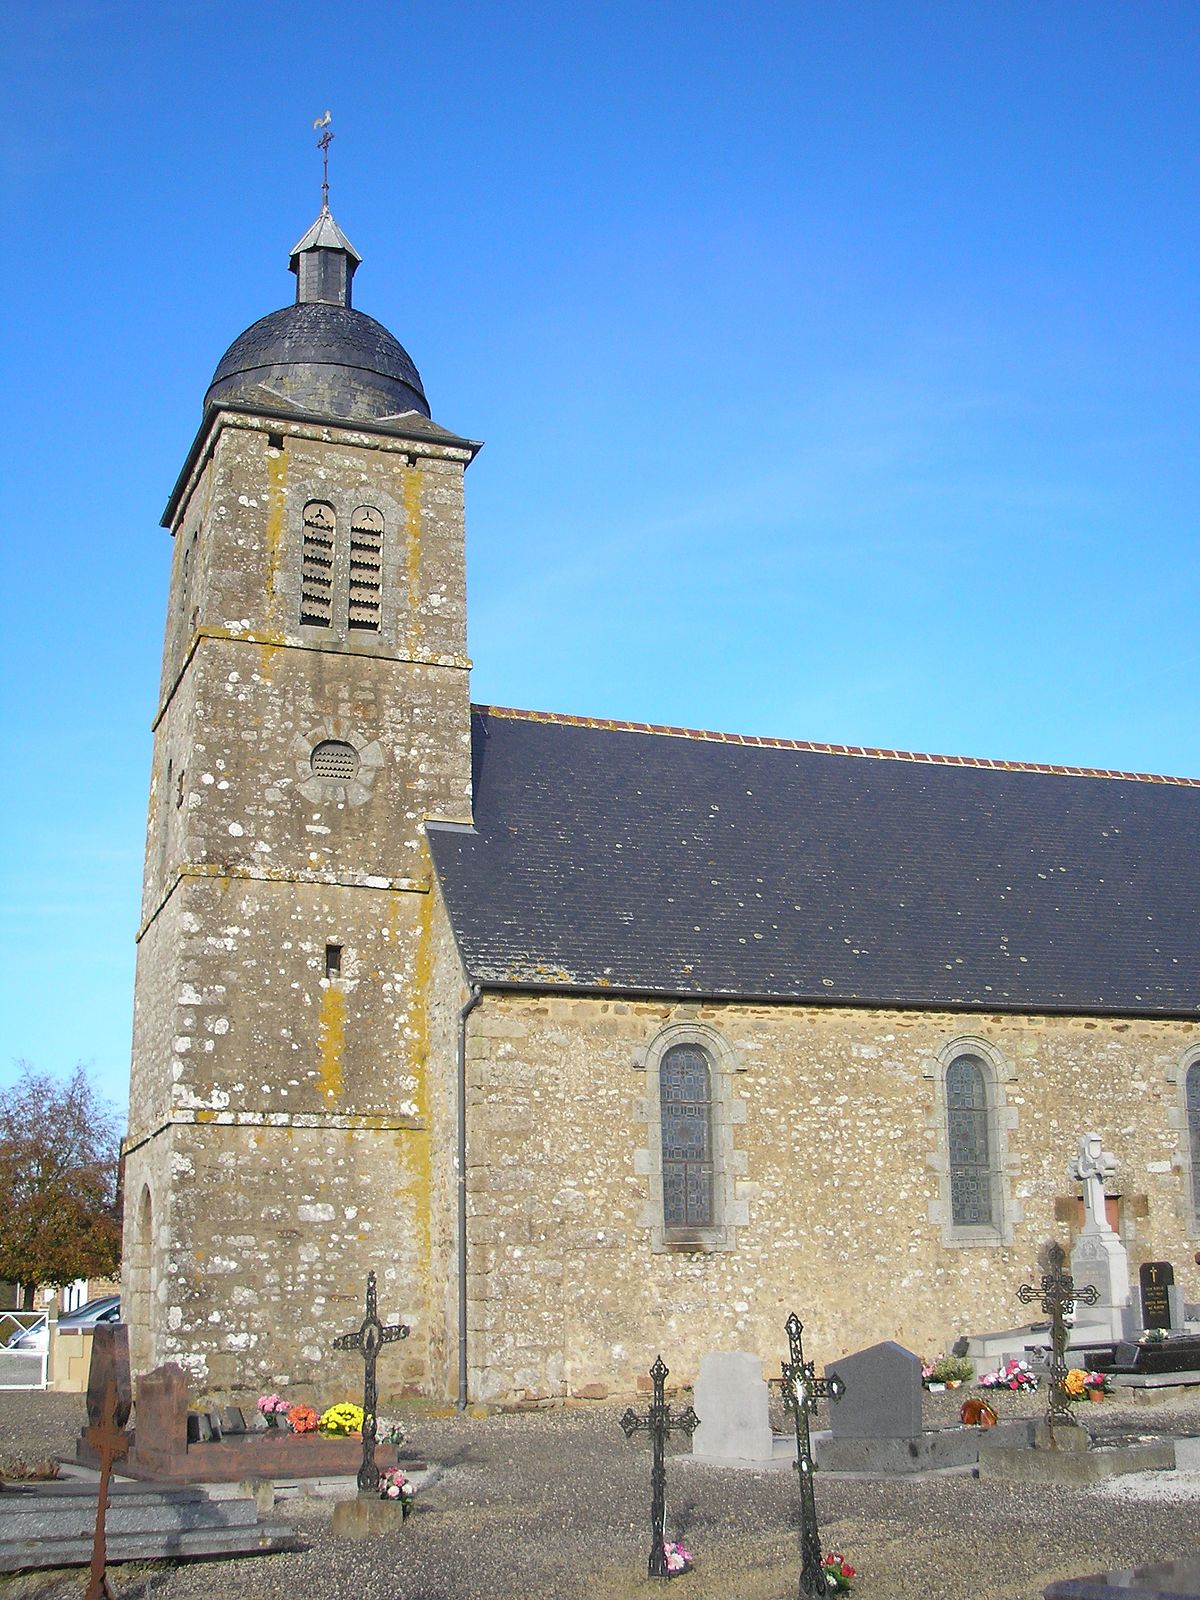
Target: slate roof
point(608, 857)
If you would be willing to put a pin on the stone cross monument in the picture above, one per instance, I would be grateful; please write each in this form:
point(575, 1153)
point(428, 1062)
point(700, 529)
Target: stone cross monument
point(1099, 1257)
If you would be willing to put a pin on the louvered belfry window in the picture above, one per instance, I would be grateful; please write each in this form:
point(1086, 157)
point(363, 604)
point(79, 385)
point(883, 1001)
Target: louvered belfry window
point(366, 568)
point(685, 1105)
point(317, 565)
point(1192, 1089)
point(969, 1137)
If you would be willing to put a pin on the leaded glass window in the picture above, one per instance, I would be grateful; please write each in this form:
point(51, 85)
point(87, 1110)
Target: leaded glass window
point(1193, 1120)
point(685, 1105)
point(969, 1136)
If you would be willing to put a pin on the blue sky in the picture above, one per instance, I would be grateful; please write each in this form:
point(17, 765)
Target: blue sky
point(836, 365)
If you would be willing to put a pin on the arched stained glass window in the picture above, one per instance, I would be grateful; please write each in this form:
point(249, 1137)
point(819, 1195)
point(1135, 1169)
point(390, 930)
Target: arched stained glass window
point(969, 1136)
point(685, 1096)
point(1193, 1121)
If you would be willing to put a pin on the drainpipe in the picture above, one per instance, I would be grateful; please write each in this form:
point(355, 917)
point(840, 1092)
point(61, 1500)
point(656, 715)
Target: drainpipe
point(473, 1000)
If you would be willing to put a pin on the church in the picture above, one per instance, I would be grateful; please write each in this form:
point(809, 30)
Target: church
point(593, 1040)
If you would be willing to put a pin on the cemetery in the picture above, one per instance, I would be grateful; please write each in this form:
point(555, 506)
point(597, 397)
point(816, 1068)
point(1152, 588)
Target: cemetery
point(860, 1474)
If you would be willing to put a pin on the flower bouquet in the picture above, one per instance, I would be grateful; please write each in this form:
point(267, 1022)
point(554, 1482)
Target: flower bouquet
point(837, 1570)
point(1014, 1374)
point(396, 1485)
point(1082, 1385)
point(302, 1419)
point(274, 1409)
point(1096, 1385)
point(1153, 1336)
point(947, 1372)
point(679, 1558)
point(342, 1420)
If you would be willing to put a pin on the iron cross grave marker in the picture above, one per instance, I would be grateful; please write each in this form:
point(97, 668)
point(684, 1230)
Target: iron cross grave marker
point(658, 1423)
point(367, 1341)
point(802, 1389)
point(1057, 1294)
point(109, 1398)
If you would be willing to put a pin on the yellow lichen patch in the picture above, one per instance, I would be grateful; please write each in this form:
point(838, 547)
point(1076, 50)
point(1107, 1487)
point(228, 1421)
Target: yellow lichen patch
point(412, 534)
point(276, 495)
point(266, 661)
point(331, 1041)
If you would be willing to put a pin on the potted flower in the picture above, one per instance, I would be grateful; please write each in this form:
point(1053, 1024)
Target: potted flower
point(1077, 1385)
point(1096, 1385)
point(274, 1409)
point(342, 1421)
point(947, 1372)
point(838, 1571)
point(396, 1485)
point(678, 1557)
point(1016, 1375)
point(302, 1419)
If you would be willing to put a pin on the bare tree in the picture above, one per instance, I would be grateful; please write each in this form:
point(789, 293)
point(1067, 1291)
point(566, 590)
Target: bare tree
point(59, 1145)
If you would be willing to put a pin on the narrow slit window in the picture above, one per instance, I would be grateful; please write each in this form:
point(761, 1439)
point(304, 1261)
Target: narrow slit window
point(333, 960)
point(969, 1137)
point(366, 569)
point(685, 1103)
point(316, 569)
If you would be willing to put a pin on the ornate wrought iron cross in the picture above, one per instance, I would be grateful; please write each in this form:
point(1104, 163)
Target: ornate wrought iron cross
point(801, 1391)
point(109, 1400)
point(1057, 1295)
point(367, 1341)
point(658, 1422)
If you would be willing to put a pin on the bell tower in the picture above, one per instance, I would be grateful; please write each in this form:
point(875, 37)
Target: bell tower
point(313, 714)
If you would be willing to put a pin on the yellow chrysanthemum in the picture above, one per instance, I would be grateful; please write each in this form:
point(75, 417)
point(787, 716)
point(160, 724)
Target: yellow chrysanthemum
point(1073, 1382)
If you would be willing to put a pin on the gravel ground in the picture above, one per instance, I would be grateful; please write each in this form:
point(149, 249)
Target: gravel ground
point(556, 1504)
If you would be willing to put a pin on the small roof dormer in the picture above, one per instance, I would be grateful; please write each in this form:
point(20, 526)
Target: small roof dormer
point(324, 262)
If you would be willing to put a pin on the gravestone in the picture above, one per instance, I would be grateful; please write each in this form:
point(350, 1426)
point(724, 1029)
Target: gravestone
point(883, 1394)
point(1161, 1580)
point(233, 1420)
point(731, 1402)
point(1156, 1279)
point(1099, 1258)
point(161, 1418)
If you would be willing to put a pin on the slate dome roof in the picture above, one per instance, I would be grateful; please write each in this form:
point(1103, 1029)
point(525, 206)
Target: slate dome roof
point(324, 358)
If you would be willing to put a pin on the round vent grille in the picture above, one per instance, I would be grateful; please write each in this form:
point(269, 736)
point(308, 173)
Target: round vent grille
point(334, 758)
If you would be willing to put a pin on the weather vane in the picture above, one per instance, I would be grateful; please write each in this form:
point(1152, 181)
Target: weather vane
point(323, 144)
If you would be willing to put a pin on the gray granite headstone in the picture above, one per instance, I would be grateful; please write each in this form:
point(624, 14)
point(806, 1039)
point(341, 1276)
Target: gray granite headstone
point(883, 1394)
point(233, 1420)
point(1162, 1580)
point(731, 1401)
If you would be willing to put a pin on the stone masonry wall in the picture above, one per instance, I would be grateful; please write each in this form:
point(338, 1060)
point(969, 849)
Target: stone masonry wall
point(836, 1154)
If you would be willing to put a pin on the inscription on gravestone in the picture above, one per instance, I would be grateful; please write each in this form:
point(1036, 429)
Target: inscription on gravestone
point(1155, 1279)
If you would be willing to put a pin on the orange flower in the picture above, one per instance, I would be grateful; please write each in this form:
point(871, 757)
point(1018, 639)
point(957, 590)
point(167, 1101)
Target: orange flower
point(302, 1419)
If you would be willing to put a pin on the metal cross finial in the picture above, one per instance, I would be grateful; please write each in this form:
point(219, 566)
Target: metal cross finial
point(323, 144)
point(658, 1422)
point(802, 1389)
point(1057, 1295)
point(367, 1341)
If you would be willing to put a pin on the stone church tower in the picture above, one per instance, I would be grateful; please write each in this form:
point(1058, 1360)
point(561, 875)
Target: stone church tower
point(313, 714)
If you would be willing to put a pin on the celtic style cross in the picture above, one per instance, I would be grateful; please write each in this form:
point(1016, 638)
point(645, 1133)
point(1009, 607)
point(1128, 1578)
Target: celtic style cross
point(658, 1422)
point(109, 1399)
point(801, 1391)
point(367, 1341)
point(1057, 1295)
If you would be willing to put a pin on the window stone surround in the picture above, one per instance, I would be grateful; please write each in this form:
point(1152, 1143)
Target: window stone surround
point(1002, 1118)
point(1176, 1074)
point(728, 1111)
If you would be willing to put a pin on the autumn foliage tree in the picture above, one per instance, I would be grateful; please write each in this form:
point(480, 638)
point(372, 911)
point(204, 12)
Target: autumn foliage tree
point(59, 1145)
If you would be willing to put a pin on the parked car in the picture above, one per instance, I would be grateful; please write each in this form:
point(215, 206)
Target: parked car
point(105, 1308)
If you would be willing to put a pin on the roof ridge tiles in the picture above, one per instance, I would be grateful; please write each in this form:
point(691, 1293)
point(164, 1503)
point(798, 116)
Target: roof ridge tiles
point(611, 725)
